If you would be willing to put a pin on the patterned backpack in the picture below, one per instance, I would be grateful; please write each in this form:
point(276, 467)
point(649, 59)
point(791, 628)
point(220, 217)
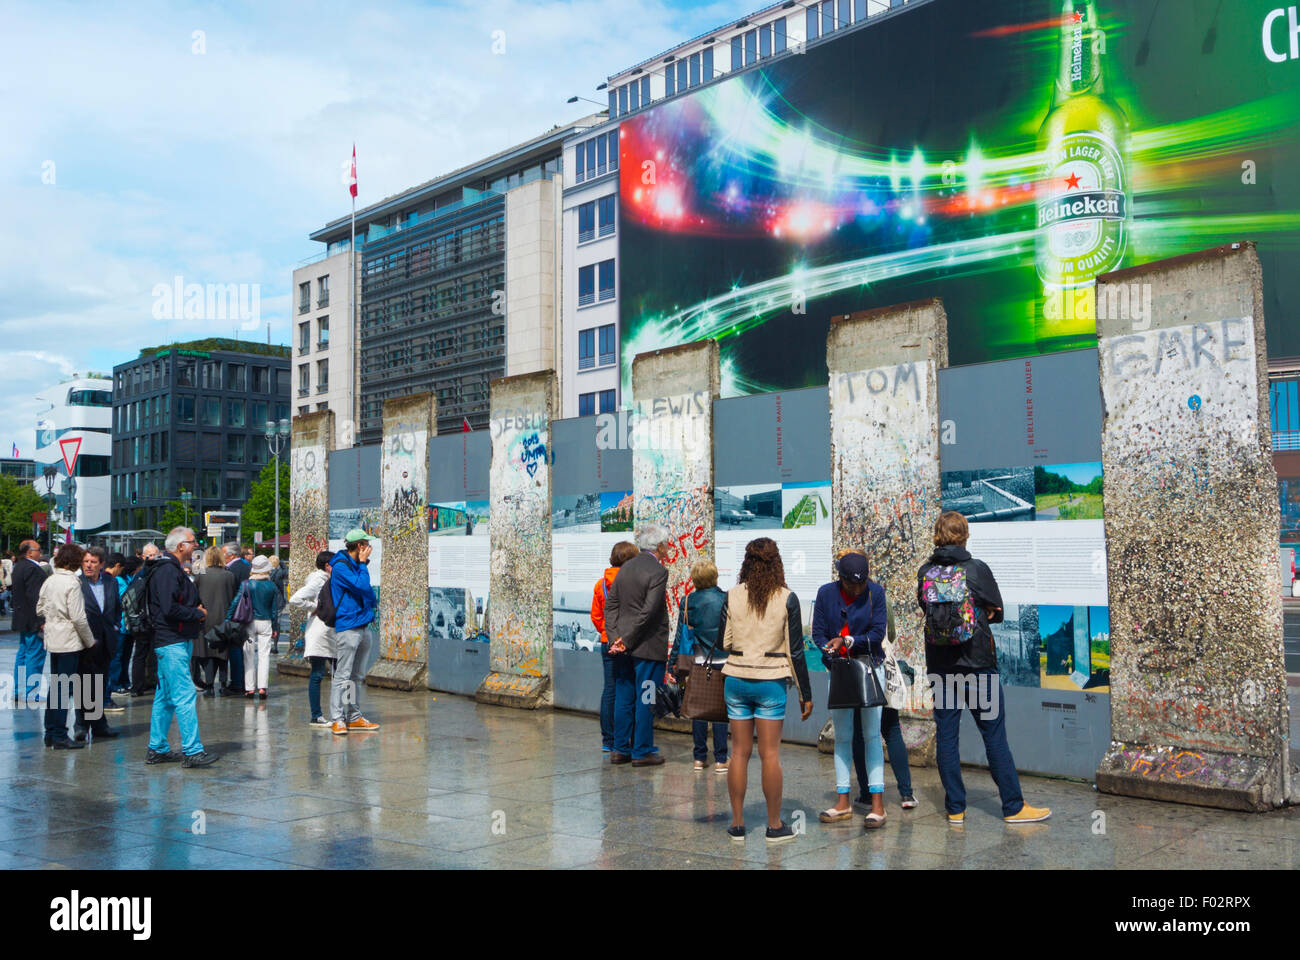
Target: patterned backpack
point(949, 609)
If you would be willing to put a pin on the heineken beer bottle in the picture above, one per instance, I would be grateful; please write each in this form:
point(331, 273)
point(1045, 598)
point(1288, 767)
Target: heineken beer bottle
point(1083, 193)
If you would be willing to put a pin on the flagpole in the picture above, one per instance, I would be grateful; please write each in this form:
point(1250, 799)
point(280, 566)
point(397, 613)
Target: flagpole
point(354, 334)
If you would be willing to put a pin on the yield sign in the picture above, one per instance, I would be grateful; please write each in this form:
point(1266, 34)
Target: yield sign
point(70, 459)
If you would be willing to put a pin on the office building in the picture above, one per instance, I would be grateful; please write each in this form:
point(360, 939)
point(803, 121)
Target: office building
point(22, 472)
point(324, 339)
point(457, 281)
point(192, 416)
point(76, 419)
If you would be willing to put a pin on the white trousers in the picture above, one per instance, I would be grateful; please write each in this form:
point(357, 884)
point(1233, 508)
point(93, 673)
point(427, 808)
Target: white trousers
point(257, 656)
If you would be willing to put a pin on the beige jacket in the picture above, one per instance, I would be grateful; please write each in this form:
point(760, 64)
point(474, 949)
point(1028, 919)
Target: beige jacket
point(760, 647)
point(62, 605)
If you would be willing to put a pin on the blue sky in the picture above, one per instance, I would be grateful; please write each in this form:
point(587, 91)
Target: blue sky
point(137, 150)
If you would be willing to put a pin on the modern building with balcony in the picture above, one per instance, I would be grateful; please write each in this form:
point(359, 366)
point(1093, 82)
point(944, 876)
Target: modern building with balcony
point(192, 416)
point(77, 416)
point(22, 472)
point(457, 283)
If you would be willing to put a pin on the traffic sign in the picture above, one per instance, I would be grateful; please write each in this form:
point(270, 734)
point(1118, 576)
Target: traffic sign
point(70, 460)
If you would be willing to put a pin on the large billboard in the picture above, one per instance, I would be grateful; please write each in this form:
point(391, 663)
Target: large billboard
point(999, 155)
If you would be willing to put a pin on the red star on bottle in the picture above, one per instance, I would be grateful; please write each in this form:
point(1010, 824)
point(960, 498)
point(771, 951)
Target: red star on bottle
point(1072, 181)
point(1078, 17)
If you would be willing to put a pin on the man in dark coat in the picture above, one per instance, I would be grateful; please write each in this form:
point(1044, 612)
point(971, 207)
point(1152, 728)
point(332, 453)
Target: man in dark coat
point(636, 622)
point(241, 568)
point(103, 613)
point(29, 664)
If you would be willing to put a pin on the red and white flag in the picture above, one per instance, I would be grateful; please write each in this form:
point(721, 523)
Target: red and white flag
point(464, 425)
point(352, 177)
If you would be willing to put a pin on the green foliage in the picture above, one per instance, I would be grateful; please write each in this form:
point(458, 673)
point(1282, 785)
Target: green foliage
point(259, 511)
point(17, 504)
point(209, 344)
point(174, 515)
point(1047, 482)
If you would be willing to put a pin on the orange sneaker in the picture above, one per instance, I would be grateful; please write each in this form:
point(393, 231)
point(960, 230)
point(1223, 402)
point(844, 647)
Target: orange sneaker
point(1029, 814)
point(361, 723)
point(338, 728)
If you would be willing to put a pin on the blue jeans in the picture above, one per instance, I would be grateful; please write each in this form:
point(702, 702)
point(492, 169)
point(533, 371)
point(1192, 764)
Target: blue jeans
point(175, 696)
point(700, 734)
point(318, 665)
point(875, 754)
point(119, 668)
point(607, 701)
point(891, 730)
point(63, 666)
point(30, 662)
point(633, 715)
point(993, 728)
point(236, 667)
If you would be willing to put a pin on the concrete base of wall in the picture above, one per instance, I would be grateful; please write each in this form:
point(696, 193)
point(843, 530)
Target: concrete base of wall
point(512, 690)
point(397, 674)
point(295, 666)
point(1202, 777)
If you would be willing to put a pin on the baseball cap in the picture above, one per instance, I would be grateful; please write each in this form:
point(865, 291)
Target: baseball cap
point(356, 535)
point(854, 568)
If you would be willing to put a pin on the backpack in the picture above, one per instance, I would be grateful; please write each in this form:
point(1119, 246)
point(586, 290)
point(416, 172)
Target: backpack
point(325, 610)
point(949, 608)
point(137, 618)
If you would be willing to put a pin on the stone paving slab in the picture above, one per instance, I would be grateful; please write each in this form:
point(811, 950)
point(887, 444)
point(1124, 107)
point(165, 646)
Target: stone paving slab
point(451, 783)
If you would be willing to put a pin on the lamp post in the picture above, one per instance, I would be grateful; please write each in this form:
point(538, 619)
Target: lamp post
point(49, 472)
point(186, 497)
point(277, 435)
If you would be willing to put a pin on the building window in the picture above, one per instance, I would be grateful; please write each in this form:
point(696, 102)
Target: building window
point(765, 40)
point(587, 222)
point(304, 337)
point(586, 404)
point(304, 379)
point(257, 413)
point(586, 349)
point(580, 162)
point(645, 91)
point(210, 484)
point(184, 409)
point(682, 81)
point(606, 291)
point(260, 451)
point(323, 291)
point(634, 96)
point(304, 297)
point(735, 52)
point(670, 80)
point(234, 413)
point(184, 373)
point(235, 379)
point(613, 150)
point(814, 22)
point(281, 411)
point(236, 488)
point(235, 449)
point(607, 215)
point(586, 285)
point(607, 402)
point(606, 334)
point(323, 333)
point(261, 380)
point(622, 100)
point(751, 47)
point(778, 35)
point(695, 69)
point(613, 104)
point(708, 63)
point(601, 164)
point(828, 17)
point(210, 411)
point(322, 376)
point(322, 406)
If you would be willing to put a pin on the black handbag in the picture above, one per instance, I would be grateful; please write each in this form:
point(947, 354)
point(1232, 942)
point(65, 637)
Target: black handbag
point(668, 700)
point(854, 684)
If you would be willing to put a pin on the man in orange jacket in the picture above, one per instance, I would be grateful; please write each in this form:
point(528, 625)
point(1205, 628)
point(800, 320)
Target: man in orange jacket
point(623, 551)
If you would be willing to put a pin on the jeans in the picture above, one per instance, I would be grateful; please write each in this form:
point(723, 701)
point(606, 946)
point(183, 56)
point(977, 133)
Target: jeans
point(119, 671)
point(892, 732)
point(63, 667)
point(236, 667)
point(607, 701)
point(875, 754)
point(992, 727)
point(30, 663)
point(700, 734)
point(175, 696)
point(353, 648)
point(633, 714)
point(257, 655)
point(318, 667)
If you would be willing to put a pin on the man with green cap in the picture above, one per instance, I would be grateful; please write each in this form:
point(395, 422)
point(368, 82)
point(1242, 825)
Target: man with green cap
point(354, 611)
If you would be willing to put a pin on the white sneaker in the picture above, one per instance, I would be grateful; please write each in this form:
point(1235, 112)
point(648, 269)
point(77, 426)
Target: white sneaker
point(699, 765)
point(319, 722)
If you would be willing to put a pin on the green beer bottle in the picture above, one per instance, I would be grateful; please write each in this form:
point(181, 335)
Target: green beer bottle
point(1083, 194)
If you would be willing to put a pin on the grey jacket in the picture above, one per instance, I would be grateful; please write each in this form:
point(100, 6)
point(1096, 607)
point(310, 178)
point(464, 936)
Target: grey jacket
point(637, 608)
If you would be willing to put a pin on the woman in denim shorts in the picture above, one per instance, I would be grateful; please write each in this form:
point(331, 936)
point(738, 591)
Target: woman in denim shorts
point(762, 633)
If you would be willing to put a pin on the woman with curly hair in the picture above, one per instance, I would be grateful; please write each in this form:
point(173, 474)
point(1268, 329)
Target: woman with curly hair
point(762, 633)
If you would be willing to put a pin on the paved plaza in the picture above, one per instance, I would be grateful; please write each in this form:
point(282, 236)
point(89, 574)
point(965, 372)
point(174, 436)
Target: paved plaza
point(449, 783)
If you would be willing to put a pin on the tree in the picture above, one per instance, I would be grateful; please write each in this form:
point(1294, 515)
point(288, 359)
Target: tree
point(17, 504)
point(259, 510)
point(174, 515)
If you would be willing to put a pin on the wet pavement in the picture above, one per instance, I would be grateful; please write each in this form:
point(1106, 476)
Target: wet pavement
point(448, 782)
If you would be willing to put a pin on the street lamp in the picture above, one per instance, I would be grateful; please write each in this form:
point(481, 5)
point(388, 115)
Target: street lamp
point(49, 472)
point(277, 435)
point(186, 497)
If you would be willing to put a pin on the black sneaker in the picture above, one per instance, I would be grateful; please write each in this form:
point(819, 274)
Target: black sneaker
point(908, 801)
point(781, 834)
point(104, 733)
point(737, 833)
point(200, 759)
point(67, 745)
point(154, 756)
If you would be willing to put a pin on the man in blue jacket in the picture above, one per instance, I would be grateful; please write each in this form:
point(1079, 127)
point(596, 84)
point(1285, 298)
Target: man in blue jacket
point(354, 611)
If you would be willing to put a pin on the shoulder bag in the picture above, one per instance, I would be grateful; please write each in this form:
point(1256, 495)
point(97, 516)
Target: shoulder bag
point(703, 699)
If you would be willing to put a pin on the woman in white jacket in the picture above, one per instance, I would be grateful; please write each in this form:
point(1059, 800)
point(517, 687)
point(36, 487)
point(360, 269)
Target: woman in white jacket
point(67, 633)
point(318, 647)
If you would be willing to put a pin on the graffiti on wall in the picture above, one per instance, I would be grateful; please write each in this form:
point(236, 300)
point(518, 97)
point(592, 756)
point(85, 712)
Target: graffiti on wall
point(519, 617)
point(308, 508)
point(885, 471)
point(1191, 529)
point(403, 486)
